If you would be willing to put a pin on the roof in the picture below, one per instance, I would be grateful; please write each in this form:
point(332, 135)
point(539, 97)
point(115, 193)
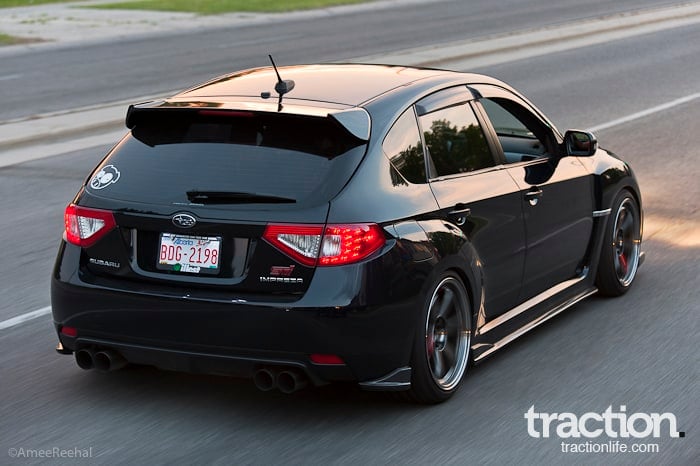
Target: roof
point(346, 84)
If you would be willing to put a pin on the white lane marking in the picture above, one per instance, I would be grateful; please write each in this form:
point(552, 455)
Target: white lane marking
point(645, 113)
point(24, 317)
point(10, 76)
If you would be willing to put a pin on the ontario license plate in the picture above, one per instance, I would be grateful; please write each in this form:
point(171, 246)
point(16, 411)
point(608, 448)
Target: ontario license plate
point(189, 254)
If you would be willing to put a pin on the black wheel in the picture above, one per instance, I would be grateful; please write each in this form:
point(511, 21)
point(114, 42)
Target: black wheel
point(441, 347)
point(622, 244)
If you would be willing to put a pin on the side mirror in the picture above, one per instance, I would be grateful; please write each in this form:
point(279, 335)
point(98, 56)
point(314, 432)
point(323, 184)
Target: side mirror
point(580, 143)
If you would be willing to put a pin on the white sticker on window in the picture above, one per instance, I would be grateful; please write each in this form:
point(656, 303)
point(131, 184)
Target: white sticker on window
point(106, 176)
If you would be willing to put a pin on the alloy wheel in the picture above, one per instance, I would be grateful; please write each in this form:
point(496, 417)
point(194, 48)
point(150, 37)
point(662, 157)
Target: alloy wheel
point(448, 333)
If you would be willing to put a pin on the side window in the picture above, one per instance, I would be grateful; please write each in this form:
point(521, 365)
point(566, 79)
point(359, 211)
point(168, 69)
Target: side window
point(504, 122)
point(455, 141)
point(403, 147)
point(522, 136)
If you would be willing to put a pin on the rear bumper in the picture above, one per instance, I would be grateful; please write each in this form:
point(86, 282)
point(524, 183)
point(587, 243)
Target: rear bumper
point(340, 314)
point(236, 364)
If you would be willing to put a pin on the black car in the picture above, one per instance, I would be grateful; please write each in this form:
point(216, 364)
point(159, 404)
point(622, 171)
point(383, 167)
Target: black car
point(380, 225)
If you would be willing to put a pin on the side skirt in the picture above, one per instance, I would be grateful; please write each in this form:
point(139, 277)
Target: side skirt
point(482, 350)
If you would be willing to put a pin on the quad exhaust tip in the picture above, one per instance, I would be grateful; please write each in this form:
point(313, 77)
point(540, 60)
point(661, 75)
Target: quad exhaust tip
point(265, 379)
point(108, 360)
point(290, 381)
point(287, 381)
point(103, 360)
point(85, 359)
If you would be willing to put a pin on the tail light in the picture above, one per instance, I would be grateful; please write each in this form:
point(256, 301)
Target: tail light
point(84, 226)
point(345, 244)
point(326, 246)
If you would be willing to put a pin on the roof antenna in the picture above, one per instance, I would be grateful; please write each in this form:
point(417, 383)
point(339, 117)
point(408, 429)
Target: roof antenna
point(282, 86)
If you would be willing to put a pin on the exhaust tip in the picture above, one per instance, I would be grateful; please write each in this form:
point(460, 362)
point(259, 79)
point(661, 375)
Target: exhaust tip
point(290, 381)
point(84, 359)
point(108, 360)
point(264, 380)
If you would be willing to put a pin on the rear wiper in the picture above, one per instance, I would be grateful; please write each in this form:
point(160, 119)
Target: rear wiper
point(233, 197)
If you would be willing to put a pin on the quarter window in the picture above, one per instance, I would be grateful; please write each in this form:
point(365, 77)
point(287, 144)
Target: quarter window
point(404, 148)
point(455, 141)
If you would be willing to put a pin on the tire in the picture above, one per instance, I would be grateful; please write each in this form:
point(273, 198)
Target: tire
point(622, 243)
point(441, 347)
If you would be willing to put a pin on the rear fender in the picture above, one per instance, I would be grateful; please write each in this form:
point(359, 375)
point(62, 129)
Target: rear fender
point(453, 252)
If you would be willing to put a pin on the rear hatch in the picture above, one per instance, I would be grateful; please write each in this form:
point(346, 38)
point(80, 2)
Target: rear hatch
point(220, 201)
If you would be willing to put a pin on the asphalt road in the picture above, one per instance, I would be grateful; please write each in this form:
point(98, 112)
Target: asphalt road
point(639, 350)
point(61, 78)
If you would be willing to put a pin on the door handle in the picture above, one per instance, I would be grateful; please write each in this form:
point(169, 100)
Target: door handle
point(460, 212)
point(533, 195)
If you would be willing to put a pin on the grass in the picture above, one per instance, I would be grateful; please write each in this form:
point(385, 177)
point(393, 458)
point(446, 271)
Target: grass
point(7, 40)
point(9, 3)
point(211, 7)
point(12, 40)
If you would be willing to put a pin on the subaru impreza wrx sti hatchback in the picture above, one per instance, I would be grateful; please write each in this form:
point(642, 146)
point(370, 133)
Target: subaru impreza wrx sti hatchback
point(380, 225)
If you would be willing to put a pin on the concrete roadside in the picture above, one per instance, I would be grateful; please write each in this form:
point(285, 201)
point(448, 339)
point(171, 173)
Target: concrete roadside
point(103, 124)
point(71, 23)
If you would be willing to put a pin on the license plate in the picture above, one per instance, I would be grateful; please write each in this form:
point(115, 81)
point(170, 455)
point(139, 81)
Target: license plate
point(189, 254)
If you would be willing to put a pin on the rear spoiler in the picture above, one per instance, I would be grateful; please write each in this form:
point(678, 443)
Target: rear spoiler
point(355, 120)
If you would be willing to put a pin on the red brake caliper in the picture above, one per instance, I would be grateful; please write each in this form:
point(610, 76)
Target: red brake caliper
point(623, 262)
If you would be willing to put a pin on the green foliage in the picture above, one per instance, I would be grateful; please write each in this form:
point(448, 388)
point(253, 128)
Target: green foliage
point(10, 3)
point(9, 40)
point(209, 7)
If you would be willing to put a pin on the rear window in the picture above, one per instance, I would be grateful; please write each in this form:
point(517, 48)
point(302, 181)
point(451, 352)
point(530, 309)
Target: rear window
point(255, 157)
